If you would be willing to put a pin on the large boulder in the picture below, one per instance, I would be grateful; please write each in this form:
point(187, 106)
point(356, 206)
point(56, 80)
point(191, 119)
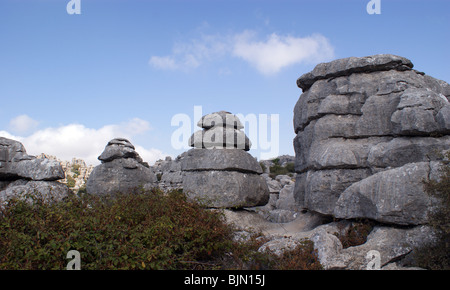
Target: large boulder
point(361, 121)
point(122, 170)
point(48, 191)
point(23, 176)
point(15, 164)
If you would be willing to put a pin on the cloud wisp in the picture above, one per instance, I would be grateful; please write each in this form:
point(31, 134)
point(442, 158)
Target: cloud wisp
point(269, 55)
point(23, 124)
point(76, 140)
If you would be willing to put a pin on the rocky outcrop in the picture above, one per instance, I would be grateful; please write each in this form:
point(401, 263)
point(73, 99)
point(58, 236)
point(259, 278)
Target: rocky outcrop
point(15, 163)
point(218, 172)
point(122, 169)
point(368, 132)
point(22, 174)
point(168, 173)
point(76, 171)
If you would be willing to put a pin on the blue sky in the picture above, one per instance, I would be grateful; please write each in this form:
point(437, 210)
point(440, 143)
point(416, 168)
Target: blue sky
point(70, 83)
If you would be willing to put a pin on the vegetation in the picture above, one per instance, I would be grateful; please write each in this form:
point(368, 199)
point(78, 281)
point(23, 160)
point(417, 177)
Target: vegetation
point(137, 230)
point(437, 256)
point(356, 234)
point(277, 169)
point(70, 181)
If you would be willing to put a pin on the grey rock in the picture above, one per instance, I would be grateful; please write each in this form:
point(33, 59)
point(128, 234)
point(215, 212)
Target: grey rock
point(366, 116)
point(49, 191)
point(119, 175)
point(391, 243)
point(403, 150)
point(225, 189)
point(392, 196)
point(220, 138)
point(220, 159)
point(15, 163)
point(273, 185)
point(121, 170)
point(119, 148)
point(443, 119)
point(327, 245)
point(323, 188)
point(220, 119)
point(348, 66)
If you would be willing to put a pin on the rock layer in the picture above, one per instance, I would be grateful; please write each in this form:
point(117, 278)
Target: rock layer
point(359, 117)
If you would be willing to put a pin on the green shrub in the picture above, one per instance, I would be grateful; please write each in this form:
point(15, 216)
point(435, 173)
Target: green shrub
point(133, 231)
point(281, 170)
point(70, 181)
point(137, 230)
point(76, 169)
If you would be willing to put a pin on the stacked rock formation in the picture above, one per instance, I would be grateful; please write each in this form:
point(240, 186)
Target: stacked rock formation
point(369, 131)
point(22, 174)
point(122, 169)
point(218, 171)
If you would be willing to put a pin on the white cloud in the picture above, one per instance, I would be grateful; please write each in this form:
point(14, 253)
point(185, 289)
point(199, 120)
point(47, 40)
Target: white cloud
point(164, 62)
point(192, 54)
point(23, 124)
point(75, 140)
point(278, 52)
point(269, 55)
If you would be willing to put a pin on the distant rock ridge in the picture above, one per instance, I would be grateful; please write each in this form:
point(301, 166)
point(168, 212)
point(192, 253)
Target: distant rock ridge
point(76, 171)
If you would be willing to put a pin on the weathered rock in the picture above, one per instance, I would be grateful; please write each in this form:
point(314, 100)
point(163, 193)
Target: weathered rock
point(220, 119)
point(121, 170)
point(392, 196)
point(15, 163)
point(358, 117)
point(348, 66)
point(225, 189)
point(392, 244)
point(217, 172)
point(49, 191)
point(220, 138)
point(220, 159)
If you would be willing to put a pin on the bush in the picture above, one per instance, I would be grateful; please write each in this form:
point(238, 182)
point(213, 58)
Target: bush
point(70, 181)
point(133, 231)
point(302, 257)
point(138, 230)
point(281, 170)
point(356, 234)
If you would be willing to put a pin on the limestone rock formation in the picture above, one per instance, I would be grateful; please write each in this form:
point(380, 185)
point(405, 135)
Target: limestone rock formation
point(218, 172)
point(15, 163)
point(169, 173)
point(220, 130)
point(368, 131)
point(122, 169)
point(76, 171)
point(22, 174)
